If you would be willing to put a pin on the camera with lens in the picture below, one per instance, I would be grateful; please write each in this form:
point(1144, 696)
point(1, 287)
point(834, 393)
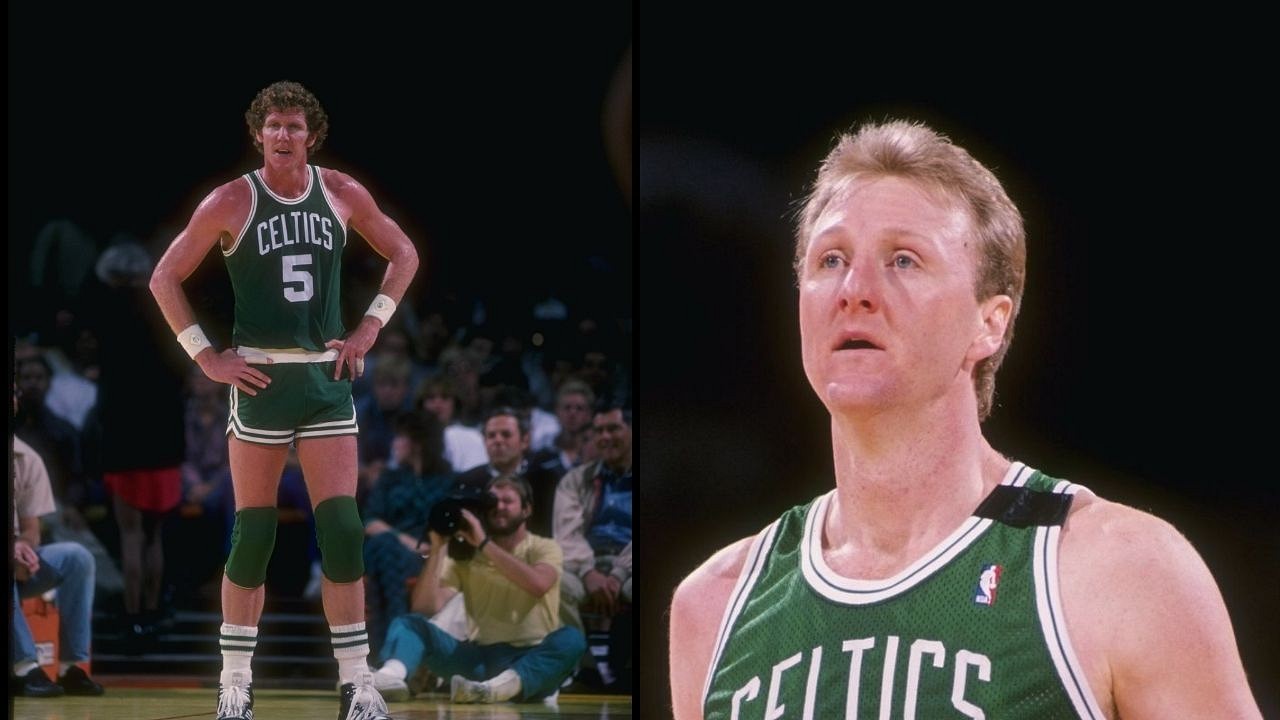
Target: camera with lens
point(446, 516)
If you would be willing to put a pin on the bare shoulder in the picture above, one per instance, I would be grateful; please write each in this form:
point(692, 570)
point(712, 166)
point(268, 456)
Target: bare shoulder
point(229, 201)
point(1146, 616)
point(696, 612)
point(706, 589)
point(336, 180)
point(354, 202)
point(343, 187)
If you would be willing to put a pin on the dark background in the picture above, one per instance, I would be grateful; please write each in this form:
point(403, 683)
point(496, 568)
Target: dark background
point(1138, 367)
point(479, 132)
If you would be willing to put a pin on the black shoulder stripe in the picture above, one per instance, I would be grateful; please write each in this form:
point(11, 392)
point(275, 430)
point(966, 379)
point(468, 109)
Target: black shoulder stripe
point(1022, 507)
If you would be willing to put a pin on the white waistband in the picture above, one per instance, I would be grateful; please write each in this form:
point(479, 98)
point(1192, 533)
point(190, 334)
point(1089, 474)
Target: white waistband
point(258, 356)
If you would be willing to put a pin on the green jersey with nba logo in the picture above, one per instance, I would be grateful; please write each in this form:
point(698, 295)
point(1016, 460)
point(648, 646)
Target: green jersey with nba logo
point(974, 629)
point(286, 268)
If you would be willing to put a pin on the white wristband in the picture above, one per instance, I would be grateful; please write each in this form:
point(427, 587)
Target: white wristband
point(193, 340)
point(382, 308)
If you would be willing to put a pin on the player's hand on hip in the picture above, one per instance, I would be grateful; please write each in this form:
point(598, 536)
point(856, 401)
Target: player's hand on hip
point(229, 368)
point(352, 350)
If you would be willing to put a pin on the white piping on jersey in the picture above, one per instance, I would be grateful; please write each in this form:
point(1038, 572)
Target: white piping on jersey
point(849, 591)
point(1052, 621)
point(751, 570)
point(258, 356)
point(253, 208)
point(324, 190)
point(281, 200)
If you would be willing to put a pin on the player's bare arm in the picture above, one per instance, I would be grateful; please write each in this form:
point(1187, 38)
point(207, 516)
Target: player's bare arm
point(388, 240)
point(1147, 619)
point(696, 611)
point(219, 217)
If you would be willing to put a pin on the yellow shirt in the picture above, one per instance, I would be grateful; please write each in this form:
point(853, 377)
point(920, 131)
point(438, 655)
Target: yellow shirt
point(498, 611)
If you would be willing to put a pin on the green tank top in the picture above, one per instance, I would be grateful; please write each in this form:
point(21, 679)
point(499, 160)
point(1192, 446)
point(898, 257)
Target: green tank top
point(286, 269)
point(974, 629)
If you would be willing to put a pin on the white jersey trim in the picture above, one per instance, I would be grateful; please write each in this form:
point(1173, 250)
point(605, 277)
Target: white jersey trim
point(286, 201)
point(850, 591)
point(1052, 620)
point(253, 209)
point(751, 570)
point(324, 190)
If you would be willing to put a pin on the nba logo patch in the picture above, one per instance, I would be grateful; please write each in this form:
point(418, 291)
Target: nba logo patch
point(988, 581)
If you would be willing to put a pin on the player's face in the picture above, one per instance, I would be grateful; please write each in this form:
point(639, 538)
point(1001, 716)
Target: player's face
point(503, 441)
point(506, 517)
point(887, 308)
point(285, 138)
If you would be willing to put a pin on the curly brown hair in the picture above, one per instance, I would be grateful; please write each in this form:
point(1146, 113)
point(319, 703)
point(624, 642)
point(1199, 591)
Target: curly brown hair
point(286, 95)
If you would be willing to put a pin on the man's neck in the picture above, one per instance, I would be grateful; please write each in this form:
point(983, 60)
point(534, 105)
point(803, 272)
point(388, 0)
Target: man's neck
point(622, 467)
point(288, 182)
point(904, 481)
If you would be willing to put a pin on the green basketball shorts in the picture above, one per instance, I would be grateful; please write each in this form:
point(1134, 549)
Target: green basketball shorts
point(302, 400)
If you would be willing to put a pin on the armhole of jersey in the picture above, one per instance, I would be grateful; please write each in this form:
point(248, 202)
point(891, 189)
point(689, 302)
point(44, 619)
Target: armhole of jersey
point(751, 570)
point(253, 209)
point(1052, 620)
point(324, 190)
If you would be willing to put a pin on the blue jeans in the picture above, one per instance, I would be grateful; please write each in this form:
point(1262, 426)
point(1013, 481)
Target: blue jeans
point(414, 640)
point(69, 567)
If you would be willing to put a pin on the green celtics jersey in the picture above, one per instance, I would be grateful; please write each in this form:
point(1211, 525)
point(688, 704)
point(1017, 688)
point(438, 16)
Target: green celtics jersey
point(286, 268)
point(974, 629)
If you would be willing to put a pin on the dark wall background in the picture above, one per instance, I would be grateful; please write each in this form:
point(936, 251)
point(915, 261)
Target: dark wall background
point(1139, 366)
point(479, 133)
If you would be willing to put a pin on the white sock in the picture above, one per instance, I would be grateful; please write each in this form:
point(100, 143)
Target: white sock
point(63, 667)
point(395, 669)
point(351, 649)
point(505, 685)
point(22, 668)
point(238, 643)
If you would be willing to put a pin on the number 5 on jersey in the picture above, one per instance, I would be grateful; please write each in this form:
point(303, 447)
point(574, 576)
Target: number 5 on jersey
point(290, 265)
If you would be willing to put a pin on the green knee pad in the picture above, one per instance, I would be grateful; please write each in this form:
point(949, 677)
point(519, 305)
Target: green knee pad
point(252, 540)
point(340, 535)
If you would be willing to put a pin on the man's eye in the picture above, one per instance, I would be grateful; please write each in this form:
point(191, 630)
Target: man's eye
point(904, 262)
point(830, 261)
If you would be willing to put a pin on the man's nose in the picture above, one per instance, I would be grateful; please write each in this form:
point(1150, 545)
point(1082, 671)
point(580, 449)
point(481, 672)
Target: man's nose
point(861, 286)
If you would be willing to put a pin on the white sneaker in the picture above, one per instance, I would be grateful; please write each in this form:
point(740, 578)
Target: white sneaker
point(235, 699)
point(393, 689)
point(361, 701)
point(463, 690)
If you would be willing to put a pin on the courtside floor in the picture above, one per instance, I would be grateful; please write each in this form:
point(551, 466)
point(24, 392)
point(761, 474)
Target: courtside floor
point(131, 703)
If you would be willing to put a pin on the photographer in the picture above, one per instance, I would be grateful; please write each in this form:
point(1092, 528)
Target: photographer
point(516, 648)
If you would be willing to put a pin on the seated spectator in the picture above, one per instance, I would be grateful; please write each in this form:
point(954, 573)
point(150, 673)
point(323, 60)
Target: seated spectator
point(543, 426)
point(463, 446)
point(574, 401)
point(52, 436)
point(374, 415)
point(593, 527)
point(506, 442)
point(38, 569)
point(516, 648)
point(395, 518)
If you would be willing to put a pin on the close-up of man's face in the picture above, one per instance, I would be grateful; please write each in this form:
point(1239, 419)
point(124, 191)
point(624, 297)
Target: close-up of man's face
point(887, 306)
